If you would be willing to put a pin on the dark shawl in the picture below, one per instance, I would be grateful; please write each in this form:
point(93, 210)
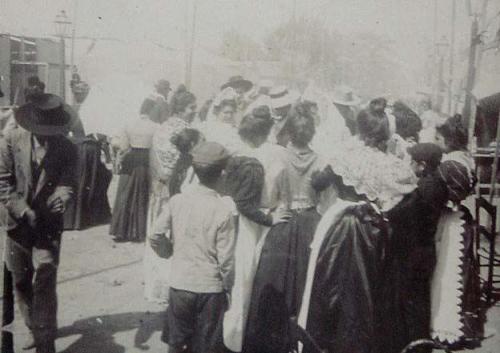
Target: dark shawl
point(342, 311)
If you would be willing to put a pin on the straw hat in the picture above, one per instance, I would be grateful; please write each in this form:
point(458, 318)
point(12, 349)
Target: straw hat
point(281, 97)
point(344, 95)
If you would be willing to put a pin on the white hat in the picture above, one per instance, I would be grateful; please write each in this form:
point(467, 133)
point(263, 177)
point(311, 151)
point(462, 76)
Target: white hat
point(344, 95)
point(281, 96)
point(266, 83)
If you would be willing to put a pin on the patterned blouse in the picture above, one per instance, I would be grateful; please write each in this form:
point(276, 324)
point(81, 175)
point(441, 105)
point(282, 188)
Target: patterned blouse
point(164, 154)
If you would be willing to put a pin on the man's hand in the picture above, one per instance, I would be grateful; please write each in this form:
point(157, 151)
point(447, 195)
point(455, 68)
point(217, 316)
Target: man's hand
point(161, 245)
point(281, 215)
point(56, 205)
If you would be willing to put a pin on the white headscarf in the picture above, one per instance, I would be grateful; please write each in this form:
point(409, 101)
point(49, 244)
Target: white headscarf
point(381, 177)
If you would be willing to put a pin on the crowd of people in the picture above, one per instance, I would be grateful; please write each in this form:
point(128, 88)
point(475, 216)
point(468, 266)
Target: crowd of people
point(342, 217)
point(267, 212)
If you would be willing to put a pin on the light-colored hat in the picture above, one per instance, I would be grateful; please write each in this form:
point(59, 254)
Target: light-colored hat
point(281, 97)
point(266, 83)
point(344, 95)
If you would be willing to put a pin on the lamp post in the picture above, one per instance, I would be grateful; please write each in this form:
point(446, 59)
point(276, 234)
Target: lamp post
point(62, 26)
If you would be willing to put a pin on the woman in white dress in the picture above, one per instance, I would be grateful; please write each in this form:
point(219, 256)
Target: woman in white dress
point(220, 125)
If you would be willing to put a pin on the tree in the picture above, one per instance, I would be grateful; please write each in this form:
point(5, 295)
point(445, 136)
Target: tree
point(239, 47)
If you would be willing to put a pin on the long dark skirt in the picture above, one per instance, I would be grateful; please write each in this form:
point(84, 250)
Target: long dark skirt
point(129, 219)
point(279, 283)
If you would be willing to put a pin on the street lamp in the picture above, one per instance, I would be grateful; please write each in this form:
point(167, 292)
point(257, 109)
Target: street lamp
point(62, 27)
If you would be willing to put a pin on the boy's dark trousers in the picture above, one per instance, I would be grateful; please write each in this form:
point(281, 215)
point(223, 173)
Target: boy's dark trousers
point(194, 321)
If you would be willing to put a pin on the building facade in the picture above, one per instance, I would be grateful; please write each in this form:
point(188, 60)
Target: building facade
point(22, 57)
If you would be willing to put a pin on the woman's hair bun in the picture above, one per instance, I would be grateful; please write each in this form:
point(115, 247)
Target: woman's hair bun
point(262, 112)
point(176, 139)
point(378, 105)
point(181, 89)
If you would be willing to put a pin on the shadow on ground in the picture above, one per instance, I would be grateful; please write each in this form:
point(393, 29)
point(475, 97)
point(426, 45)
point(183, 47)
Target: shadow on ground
point(97, 332)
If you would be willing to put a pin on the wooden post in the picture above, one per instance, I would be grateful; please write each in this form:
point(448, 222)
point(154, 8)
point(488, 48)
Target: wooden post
point(495, 163)
point(294, 46)
point(62, 71)
point(189, 69)
point(471, 73)
point(22, 58)
point(186, 41)
point(73, 34)
point(452, 54)
point(7, 345)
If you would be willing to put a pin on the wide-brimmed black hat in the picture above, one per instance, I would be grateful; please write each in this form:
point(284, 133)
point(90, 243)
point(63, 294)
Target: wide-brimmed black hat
point(238, 82)
point(47, 114)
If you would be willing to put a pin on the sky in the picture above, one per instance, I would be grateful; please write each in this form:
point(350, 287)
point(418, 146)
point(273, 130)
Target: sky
point(408, 23)
point(164, 20)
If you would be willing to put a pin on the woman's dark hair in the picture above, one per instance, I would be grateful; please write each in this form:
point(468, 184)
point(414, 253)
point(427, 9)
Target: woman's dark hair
point(300, 125)
point(378, 105)
point(202, 115)
point(373, 125)
point(454, 133)
point(185, 140)
point(147, 106)
point(256, 125)
point(408, 123)
point(225, 103)
point(181, 99)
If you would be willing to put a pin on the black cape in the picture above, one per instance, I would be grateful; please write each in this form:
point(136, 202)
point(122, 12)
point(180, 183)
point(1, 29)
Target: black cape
point(279, 283)
point(89, 206)
point(346, 285)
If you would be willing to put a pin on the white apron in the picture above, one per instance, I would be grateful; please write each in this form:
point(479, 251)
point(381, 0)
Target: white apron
point(251, 237)
point(447, 287)
point(249, 242)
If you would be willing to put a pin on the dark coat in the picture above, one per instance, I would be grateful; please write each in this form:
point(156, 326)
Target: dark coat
point(411, 258)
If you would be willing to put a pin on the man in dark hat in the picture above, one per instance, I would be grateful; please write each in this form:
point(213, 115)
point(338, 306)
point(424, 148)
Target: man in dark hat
point(36, 91)
point(40, 162)
point(239, 84)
